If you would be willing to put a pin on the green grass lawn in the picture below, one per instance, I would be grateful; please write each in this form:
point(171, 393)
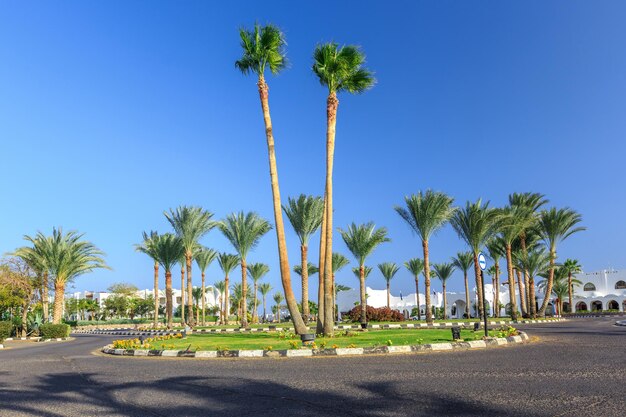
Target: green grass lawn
point(234, 341)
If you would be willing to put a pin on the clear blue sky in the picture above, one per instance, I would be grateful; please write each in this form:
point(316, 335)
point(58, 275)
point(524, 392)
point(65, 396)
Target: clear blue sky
point(112, 112)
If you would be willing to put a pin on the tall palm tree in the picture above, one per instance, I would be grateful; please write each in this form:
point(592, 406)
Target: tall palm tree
point(220, 287)
point(148, 247)
point(204, 257)
point(560, 287)
point(556, 225)
point(190, 224)
point(388, 270)
point(444, 271)
point(572, 267)
point(264, 289)
point(339, 69)
point(496, 251)
point(476, 224)
point(38, 258)
point(244, 231)
point(278, 299)
point(227, 262)
point(264, 47)
point(361, 241)
point(305, 215)
point(339, 262)
point(535, 262)
point(464, 261)
point(426, 213)
point(168, 250)
point(416, 267)
point(257, 271)
point(182, 261)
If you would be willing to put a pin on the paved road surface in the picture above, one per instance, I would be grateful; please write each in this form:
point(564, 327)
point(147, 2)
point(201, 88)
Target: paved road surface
point(574, 368)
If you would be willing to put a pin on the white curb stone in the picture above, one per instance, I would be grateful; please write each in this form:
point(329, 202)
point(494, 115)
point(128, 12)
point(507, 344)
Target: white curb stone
point(477, 344)
point(207, 354)
point(298, 353)
point(171, 353)
point(1, 346)
point(501, 341)
point(441, 346)
point(250, 353)
point(141, 352)
point(398, 349)
point(349, 351)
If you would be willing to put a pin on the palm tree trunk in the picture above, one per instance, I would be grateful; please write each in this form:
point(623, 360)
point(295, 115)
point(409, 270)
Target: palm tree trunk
point(156, 293)
point(429, 317)
point(467, 295)
point(189, 292)
point(569, 292)
point(44, 297)
point(305, 283)
point(445, 304)
point(522, 292)
point(244, 290)
point(525, 272)
point(25, 319)
point(264, 302)
point(182, 294)
point(285, 272)
point(203, 299)
point(255, 316)
point(417, 295)
point(546, 298)
point(226, 305)
point(59, 299)
point(497, 292)
point(533, 301)
point(509, 267)
point(168, 298)
point(322, 262)
point(363, 294)
point(479, 285)
point(388, 295)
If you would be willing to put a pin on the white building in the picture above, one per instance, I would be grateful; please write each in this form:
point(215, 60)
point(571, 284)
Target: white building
point(602, 290)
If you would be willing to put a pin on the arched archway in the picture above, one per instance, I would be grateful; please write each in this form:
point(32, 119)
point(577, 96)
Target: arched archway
point(581, 306)
point(612, 305)
point(458, 309)
point(589, 287)
point(596, 306)
point(620, 285)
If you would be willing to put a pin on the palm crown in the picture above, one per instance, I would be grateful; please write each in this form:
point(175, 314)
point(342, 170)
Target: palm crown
point(443, 271)
point(388, 270)
point(204, 257)
point(463, 261)
point(426, 212)
point(339, 262)
point(556, 225)
point(341, 68)
point(265, 288)
point(244, 231)
point(190, 224)
point(366, 271)
point(476, 223)
point(415, 266)
point(305, 215)
point(257, 270)
point(169, 250)
point(262, 47)
point(227, 262)
point(311, 269)
point(361, 240)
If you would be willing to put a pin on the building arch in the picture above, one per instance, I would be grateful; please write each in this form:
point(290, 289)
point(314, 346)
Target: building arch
point(620, 285)
point(612, 305)
point(581, 306)
point(596, 306)
point(458, 309)
point(589, 287)
point(566, 307)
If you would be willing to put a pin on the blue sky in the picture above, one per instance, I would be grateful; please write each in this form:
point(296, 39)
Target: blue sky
point(112, 112)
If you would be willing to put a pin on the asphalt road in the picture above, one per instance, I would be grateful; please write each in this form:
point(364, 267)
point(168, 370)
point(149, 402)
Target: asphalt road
point(574, 368)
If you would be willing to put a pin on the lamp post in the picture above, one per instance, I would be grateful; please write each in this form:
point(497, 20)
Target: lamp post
point(482, 262)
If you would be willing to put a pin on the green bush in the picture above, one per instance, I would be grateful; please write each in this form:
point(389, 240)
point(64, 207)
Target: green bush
point(6, 327)
point(53, 331)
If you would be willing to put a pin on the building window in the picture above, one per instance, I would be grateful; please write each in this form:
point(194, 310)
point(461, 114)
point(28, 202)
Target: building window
point(620, 285)
point(589, 287)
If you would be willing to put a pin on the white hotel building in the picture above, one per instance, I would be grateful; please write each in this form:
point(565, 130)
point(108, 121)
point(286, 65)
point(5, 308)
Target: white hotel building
point(601, 290)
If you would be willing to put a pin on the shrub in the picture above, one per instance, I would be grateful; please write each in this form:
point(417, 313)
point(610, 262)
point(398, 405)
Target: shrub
point(376, 314)
point(53, 331)
point(6, 327)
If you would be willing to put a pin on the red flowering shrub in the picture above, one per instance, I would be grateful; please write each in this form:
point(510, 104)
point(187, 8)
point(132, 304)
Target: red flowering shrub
point(375, 314)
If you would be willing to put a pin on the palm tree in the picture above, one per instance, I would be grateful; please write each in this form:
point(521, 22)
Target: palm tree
point(311, 269)
point(556, 225)
point(366, 272)
point(535, 262)
point(464, 261)
point(190, 224)
point(182, 261)
point(278, 299)
point(244, 231)
point(572, 267)
point(416, 267)
point(265, 289)
point(426, 213)
point(339, 69)
point(444, 271)
point(38, 258)
point(148, 247)
point(339, 262)
point(257, 271)
point(198, 294)
point(204, 257)
point(227, 262)
point(361, 241)
point(169, 250)
point(265, 47)
point(239, 301)
point(220, 286)
point(560, 287)
point(496, 251)
point(389, 270)
point(305, 215)
point(476, 224)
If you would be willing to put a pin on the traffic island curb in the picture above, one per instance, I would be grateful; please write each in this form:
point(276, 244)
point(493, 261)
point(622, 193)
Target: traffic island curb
point(291, 353)
point(36, 339)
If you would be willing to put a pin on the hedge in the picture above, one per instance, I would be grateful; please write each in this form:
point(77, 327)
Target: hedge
point(376, 314)
point(53, 331)
point(6, 327)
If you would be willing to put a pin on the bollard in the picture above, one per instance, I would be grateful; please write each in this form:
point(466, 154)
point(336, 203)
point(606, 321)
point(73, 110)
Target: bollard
point(456, 332)
point(476, 326)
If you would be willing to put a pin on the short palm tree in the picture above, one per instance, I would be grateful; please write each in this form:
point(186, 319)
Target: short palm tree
point(227, 262)
point(204, 257)
point(198, 294)
point(556, 225)
point(190, 224)
point(572, 267)
point(305, 215)
point(278, 299)
point(560, 287)
point(339, 69)
point(426, 213)
point(535, 262)
point(239, 301)
point(264, 47)
point(220, 287)
point(495, 248)
point(169, 250)
point(257, 271)
point(38, 258)
point(361, 241)
point(416, 267)
point(339, 262)
point(244, 231)
point(464, 261)
point(444, 271)
point(148, 247)
point(265, 289)
point(388, 270)
point(476, 224)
